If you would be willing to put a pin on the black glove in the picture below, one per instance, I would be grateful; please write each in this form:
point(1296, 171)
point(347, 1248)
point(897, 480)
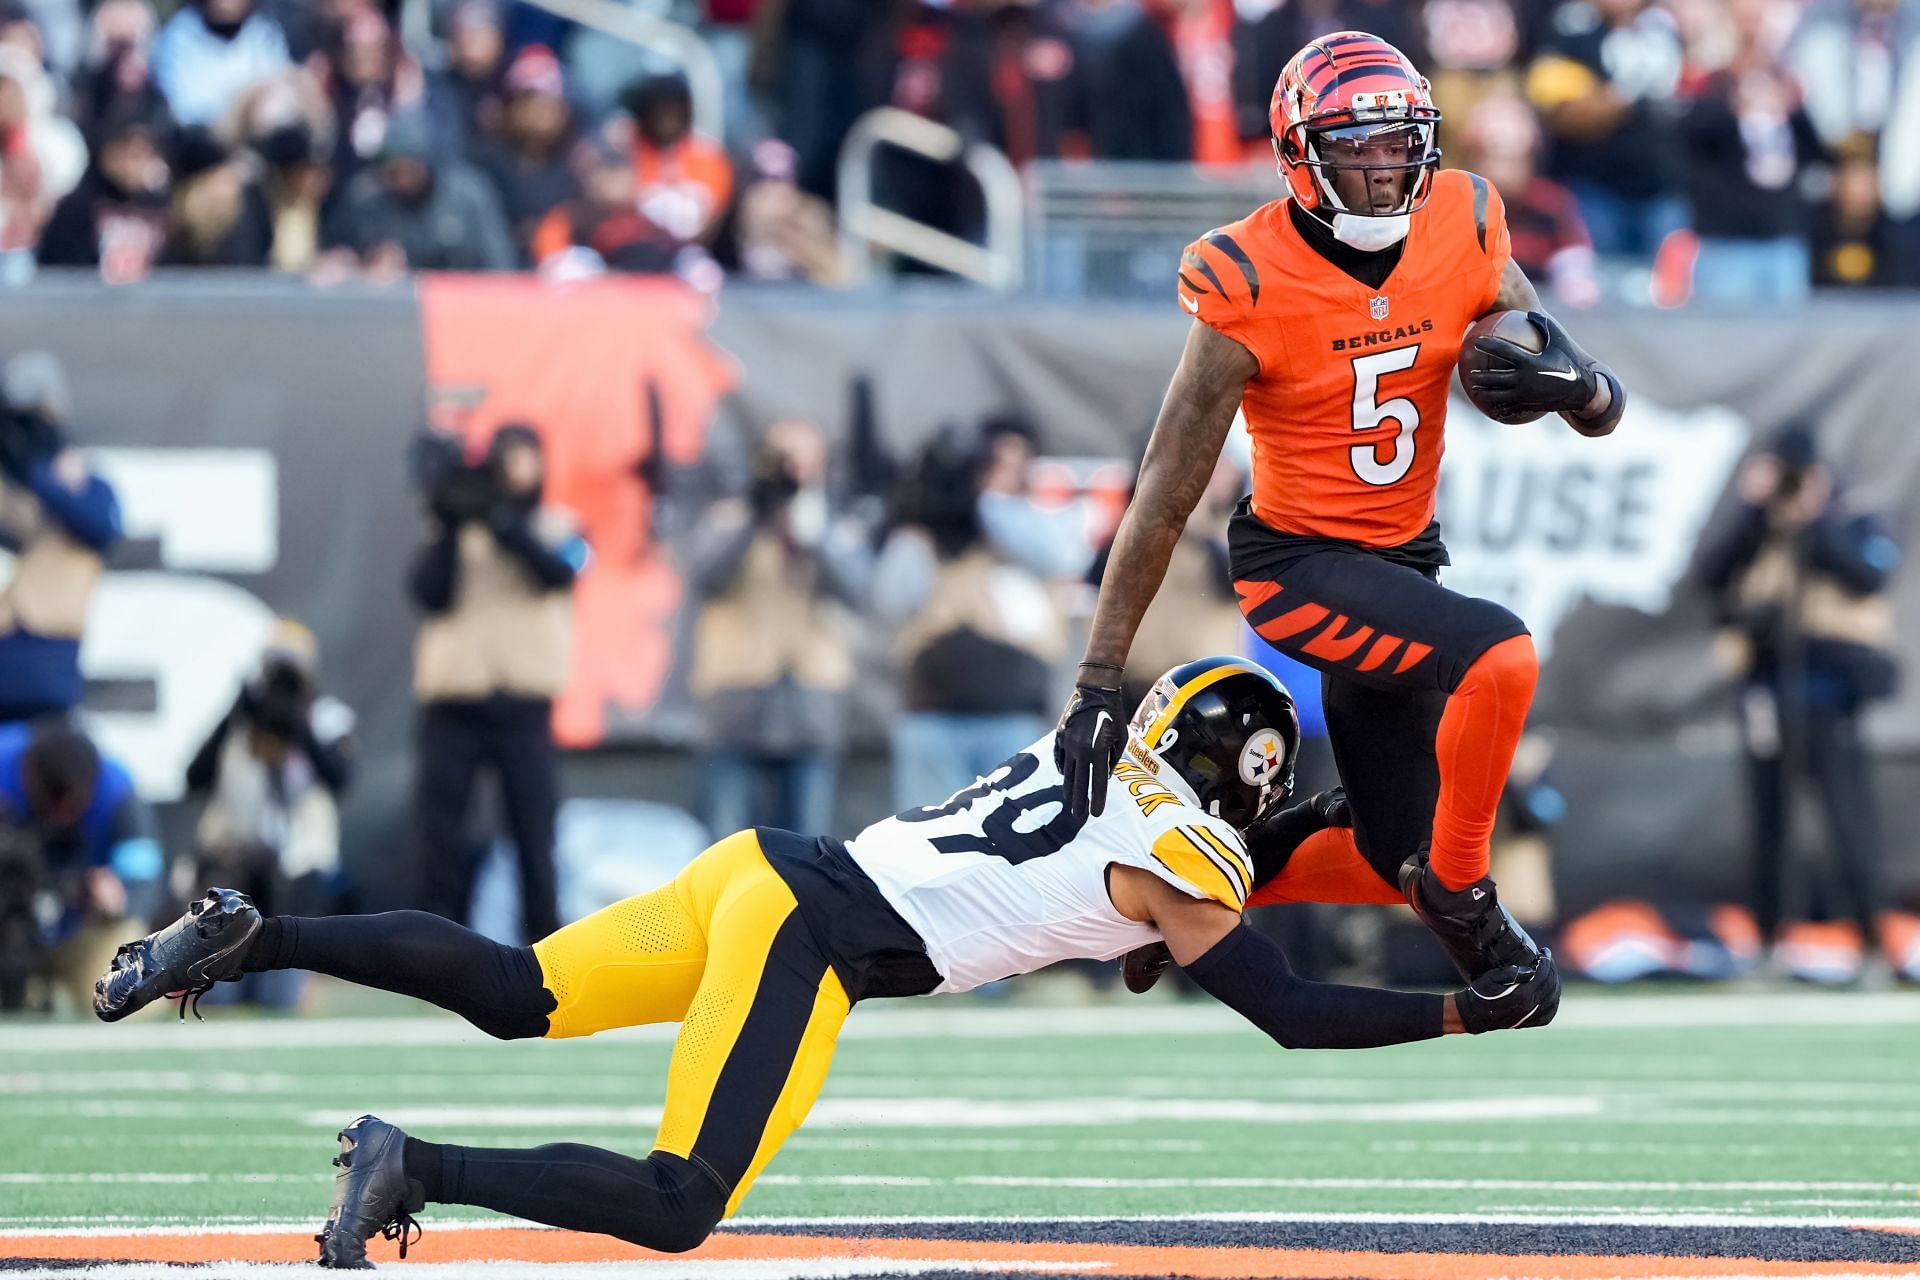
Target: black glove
point(1508, 998)
point(1087, 744)
point(1560, 378)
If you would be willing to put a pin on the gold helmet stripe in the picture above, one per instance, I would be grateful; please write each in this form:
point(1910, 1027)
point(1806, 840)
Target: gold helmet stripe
point(1181, 695)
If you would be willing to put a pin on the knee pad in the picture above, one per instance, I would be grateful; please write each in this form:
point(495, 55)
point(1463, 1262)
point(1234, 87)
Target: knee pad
point(694, 1202)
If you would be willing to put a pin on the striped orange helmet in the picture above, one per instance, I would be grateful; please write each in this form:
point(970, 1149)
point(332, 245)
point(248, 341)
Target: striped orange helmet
point(1351, 101)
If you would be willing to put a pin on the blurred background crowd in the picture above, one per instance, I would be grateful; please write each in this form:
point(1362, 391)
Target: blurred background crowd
point(1660, 149)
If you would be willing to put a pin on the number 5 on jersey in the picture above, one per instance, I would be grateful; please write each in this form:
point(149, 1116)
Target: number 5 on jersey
point(1368, 414)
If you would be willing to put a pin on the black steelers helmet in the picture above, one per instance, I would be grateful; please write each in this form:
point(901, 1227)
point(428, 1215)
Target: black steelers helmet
point(1228, 727)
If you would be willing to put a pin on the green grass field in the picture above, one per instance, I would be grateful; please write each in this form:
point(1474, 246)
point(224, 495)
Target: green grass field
point(1798, 1106)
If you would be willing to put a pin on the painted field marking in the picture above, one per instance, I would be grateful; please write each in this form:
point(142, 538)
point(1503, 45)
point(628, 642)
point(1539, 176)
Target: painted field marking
point(943, 1020)
point(980, 1113)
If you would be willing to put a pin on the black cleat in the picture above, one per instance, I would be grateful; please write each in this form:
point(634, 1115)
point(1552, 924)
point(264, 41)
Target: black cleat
point(371, 1195)
point(1476, 932)
point(186, 958)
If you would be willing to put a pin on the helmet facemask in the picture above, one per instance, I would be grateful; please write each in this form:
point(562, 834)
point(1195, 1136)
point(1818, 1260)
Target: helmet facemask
point(1381, 134)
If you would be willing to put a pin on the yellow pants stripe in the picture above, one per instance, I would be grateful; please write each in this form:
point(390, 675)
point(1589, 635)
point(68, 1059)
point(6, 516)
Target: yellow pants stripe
point(723, 951)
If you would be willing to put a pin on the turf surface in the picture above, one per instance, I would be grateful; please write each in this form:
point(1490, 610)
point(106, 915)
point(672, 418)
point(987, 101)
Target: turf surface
point(1653, 1108)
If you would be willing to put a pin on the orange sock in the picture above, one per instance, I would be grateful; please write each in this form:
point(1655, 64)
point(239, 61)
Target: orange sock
point(1327, 867)
point(1478, 734)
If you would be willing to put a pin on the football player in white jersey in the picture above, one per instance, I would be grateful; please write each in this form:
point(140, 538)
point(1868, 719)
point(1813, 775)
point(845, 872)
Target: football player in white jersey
point(763, 943)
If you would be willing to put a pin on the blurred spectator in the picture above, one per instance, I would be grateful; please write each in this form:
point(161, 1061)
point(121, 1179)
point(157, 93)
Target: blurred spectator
point(116, 218)
point(271, 774)
point(1802, 573)
point(52, 31)
point(776, 575)
point(1853, 241)
point(288, 127)
point(411, 212)
point(1045, 537)
point(116, 79)
point(1550, 241)
point(1605, 81)
point(603, 229)
point(59, 520)
point(527, 158)
point(1859, 61)
point(369, 78)
point(77, 845)
point(1136, 99)
point(468, 96)
point(1747, 143)
point(781, 232)
point(1473, 49)
point(219, 216)
point(686, 181)
point(821, 61)
point(42, 155)
point(210, 51)
point(978, 639)
point(495, 581)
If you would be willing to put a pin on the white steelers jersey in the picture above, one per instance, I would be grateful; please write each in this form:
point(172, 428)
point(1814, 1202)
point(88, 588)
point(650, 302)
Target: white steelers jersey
point(996, 883)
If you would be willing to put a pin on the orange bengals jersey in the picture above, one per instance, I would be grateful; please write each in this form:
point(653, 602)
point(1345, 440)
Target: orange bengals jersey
point(1348, 409)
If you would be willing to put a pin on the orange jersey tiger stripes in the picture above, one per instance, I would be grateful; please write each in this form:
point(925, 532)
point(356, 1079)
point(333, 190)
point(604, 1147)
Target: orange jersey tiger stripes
point(1348, 410)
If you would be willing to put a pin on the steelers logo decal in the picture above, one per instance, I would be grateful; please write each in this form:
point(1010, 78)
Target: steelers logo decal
point(1260, 759)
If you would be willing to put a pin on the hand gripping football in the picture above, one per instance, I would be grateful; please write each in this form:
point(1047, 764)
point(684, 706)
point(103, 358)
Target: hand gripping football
point(1515, 327)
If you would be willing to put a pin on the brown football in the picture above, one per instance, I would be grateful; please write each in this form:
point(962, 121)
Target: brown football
point(1515, 328)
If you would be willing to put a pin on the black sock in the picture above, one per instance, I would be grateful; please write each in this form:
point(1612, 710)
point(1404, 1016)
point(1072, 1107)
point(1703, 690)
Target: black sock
point(422, 1163)
point(499, 989)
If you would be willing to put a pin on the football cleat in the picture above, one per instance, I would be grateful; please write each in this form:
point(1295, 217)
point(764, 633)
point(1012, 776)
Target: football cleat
point(1473, 928)
point(185, 959)
point(371, 1196)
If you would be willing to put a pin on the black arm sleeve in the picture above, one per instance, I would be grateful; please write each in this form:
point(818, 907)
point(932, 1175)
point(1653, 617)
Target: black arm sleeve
point(1273, 841)
point(435, 567)
point(548, 568)
point(1247, 972)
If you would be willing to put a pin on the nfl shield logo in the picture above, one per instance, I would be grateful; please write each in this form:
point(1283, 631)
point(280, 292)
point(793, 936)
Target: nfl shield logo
point(1377, 307)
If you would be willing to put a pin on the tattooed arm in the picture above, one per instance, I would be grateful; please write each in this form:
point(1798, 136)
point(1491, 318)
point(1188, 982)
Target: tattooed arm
point(1186, 441)
point(1599, 411)
point(1193, 423)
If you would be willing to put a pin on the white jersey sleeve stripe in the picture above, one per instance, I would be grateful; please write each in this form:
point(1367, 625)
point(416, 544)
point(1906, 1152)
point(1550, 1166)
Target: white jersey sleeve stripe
point(1228, 864)
point(1237, 857)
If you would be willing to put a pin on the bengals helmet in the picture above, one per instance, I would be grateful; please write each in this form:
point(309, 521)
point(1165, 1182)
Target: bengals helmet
point(1228, 727)
point(1340, 102)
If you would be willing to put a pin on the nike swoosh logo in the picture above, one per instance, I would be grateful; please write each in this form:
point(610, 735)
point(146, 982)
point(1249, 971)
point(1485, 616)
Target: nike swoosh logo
point(1568, 374)
point(1100, 722)
point(1191, 304)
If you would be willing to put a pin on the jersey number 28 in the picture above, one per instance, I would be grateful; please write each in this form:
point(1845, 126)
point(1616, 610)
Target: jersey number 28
point(1368, 414)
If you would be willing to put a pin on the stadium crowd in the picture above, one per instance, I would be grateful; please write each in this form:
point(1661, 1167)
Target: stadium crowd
point(1746, 149)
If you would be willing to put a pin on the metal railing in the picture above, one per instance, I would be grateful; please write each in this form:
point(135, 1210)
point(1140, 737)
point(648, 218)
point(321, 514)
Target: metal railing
point(866, 227)
point(1116, 228)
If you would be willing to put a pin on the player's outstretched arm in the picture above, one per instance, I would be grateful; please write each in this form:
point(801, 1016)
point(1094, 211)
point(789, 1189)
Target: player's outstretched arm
point(1248, 972)
point(1193, 423)
point(1561, 378)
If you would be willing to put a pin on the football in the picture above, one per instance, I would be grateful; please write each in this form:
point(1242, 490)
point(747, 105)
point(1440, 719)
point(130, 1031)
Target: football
point(1515, 328)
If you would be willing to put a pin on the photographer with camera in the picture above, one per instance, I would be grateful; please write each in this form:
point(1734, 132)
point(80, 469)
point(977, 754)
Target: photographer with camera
point(79, 865)
point(271, 773)
point(59, 520)
point(777, 574)
point(495, 582)
point(1802, 575)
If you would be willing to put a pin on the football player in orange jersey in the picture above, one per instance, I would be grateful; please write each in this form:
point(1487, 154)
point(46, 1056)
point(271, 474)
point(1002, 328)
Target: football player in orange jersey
point(1334, 318)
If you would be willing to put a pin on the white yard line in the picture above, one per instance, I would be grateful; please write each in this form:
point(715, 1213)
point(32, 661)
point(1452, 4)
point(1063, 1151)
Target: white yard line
point(982, 1113)
point(940, 1020)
